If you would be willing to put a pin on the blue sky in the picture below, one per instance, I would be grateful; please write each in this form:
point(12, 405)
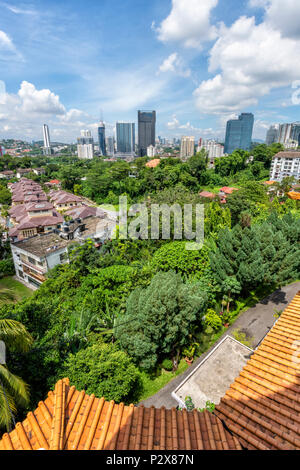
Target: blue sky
point(196, 62)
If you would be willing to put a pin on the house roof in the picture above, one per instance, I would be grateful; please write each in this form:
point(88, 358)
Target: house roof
point(72, 420)
point(262, 406)
point(294, 195)
point(207, 194)
point(228, 190)
point(288, 154)
point(153, 163)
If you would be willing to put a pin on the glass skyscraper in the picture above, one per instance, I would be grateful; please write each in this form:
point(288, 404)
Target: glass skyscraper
point(101, 137)
point(125, 136)
point(239, 133)
point(146, 123)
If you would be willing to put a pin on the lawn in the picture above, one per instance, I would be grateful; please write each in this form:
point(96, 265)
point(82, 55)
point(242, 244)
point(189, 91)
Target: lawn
point(14, 291)
point(153, 385)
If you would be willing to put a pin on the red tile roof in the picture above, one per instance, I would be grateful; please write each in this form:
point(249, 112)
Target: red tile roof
point(207, 194)
point(153, 163)
point(72, 420)
point(262, 406)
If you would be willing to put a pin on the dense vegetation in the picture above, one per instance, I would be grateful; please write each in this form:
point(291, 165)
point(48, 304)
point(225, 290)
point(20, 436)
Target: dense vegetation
point(114, 317)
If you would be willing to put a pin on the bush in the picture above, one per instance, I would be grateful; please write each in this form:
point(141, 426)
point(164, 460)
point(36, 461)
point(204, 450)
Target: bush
point(104, 370)
point(213, 319)
point(7, 267)
point(167, 364)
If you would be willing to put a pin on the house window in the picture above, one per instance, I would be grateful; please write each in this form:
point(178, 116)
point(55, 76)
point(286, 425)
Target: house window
point(31, 260)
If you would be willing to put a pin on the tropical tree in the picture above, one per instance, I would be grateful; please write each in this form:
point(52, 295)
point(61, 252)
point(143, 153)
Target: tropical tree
point(14, 392)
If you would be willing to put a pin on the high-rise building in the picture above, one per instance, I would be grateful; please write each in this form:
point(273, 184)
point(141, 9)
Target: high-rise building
point(239, 133)
point(284, 134)
point(85, 145)
point(146, 129)
point(110, 146)
point(125, 137)
point(272, 135)
point(214, 150)
point(47, 145)
point(187, 148)
point(101, 137)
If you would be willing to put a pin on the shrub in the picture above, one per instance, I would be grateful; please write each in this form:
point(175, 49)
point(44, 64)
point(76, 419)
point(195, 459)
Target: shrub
point(213, 319)
point(7, 267)
point(167, 364)
point(104, 370)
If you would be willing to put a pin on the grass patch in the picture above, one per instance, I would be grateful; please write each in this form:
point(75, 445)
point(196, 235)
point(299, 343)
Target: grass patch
point(152, 385)
point(12, 291)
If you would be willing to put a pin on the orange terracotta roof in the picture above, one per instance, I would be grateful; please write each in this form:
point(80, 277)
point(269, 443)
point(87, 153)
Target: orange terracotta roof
point(73, 420)
point(153, 163)
point(269, 183)
point(262, 406)
point(294, 195)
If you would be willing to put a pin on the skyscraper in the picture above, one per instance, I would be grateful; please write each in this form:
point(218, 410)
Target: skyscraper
point(85, 145)
point(125, 133)
point(146, 129)
point(239, 133)
point(101, 136)
point(272, 135)
point(110, 146)
point(46, 134)
point(187, 148)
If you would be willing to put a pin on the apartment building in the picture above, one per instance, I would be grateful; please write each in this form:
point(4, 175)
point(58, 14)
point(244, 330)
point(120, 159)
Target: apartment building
point(285, 164)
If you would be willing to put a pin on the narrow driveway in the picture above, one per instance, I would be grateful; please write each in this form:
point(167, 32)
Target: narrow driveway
point(255, 322)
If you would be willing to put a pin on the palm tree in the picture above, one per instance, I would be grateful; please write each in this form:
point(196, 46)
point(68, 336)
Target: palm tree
point(14, 391)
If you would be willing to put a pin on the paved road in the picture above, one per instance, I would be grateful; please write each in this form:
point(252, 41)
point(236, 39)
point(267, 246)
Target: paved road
point(255, 322)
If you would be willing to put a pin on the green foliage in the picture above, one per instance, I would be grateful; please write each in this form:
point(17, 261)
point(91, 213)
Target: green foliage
point(174, 256)
point(167, 364)
point(159, 319)
point(242, 337)
point(103, 370)
point(213, 319)
point(7, 267)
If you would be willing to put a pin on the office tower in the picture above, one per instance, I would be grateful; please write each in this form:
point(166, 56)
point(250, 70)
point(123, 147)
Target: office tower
point(295, 132)
point(47, 146)
point(101, 137)
point(187, 148)
point(146, 129)
point(284, 134)
point(85, 145)
point(272, 135)
point(239, 133)
point(110, 146)
point(125, 137)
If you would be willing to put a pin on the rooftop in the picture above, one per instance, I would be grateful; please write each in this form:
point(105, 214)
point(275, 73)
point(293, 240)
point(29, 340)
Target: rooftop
point(288, 154)
point(210, 380)
point(43, 244)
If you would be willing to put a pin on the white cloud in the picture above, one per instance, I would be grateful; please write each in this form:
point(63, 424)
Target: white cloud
point(8, 51)
point(251, 60)
point(174, 64)
point(188, 22)
point(17, 10)
point(39, 101)
point(188, 129)
point(23, 114)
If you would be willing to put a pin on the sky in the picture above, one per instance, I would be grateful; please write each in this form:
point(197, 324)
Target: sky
point(197, 63)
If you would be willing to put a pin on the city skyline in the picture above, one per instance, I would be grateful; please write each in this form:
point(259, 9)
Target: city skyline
point(179, 60)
